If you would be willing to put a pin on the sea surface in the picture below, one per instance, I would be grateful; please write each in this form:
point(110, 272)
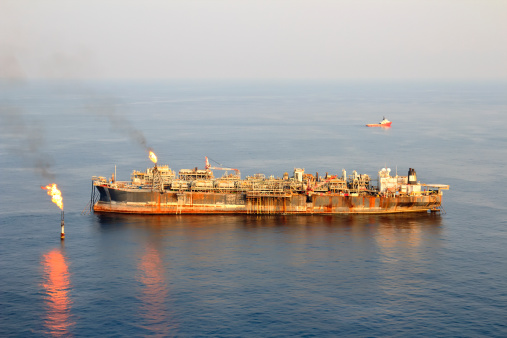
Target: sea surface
point(252, 276)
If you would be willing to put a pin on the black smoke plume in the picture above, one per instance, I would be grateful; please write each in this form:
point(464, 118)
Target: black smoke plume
point(25, 139)
point(108, 109)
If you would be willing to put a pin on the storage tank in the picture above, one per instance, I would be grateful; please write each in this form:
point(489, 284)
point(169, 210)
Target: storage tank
point(225, 185)
point(201, 184)
point(176, 185)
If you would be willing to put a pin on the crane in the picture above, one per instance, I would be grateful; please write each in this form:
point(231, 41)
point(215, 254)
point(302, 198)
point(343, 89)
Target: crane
point(208, 166)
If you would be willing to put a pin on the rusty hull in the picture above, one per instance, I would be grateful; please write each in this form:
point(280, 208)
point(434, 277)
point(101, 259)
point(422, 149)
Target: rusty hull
point(190, 202)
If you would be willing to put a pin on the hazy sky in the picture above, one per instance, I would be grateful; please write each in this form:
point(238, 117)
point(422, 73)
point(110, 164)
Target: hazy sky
point(319, 39)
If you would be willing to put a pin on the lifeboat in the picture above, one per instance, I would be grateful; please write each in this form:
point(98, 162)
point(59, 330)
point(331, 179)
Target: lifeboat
point(384, 123)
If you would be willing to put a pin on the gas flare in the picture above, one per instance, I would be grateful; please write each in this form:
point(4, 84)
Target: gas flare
point(153, 157)
point(56, 195)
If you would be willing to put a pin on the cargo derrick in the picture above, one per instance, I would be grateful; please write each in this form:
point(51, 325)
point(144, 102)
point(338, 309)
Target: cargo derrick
point(159, 191)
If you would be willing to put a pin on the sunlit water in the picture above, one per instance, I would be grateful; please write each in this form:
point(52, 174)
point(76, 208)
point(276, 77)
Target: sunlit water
point(362, 275)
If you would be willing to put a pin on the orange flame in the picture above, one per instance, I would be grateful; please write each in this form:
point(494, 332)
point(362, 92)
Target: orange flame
point(56, 195)
point(153, 157)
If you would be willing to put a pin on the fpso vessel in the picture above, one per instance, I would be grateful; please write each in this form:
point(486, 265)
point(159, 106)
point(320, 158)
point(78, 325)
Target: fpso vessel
point(158, 190)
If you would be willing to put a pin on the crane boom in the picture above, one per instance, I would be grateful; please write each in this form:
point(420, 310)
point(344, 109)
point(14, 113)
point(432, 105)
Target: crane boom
point(208, 166)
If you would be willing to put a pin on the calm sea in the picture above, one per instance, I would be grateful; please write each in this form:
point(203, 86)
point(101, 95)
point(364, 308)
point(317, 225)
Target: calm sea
point(348, 275)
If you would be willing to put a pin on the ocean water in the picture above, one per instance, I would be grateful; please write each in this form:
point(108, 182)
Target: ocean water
point(259, 276)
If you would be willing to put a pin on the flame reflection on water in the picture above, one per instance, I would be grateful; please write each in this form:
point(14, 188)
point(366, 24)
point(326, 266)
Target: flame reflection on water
point(57, 286)
point(154, 293)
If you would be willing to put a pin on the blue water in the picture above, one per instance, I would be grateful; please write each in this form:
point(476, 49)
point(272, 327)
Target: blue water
point(362, 275)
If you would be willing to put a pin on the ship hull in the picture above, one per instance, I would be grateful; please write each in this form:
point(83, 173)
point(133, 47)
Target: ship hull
point(132, 201)
point(379, 125)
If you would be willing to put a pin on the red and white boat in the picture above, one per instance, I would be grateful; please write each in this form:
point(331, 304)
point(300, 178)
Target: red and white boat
point(384, 123)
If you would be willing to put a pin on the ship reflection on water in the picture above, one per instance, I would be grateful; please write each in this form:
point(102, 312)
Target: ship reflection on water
point(394, 234)
point(57, 286)
point(158, 223)
point(192, 271)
